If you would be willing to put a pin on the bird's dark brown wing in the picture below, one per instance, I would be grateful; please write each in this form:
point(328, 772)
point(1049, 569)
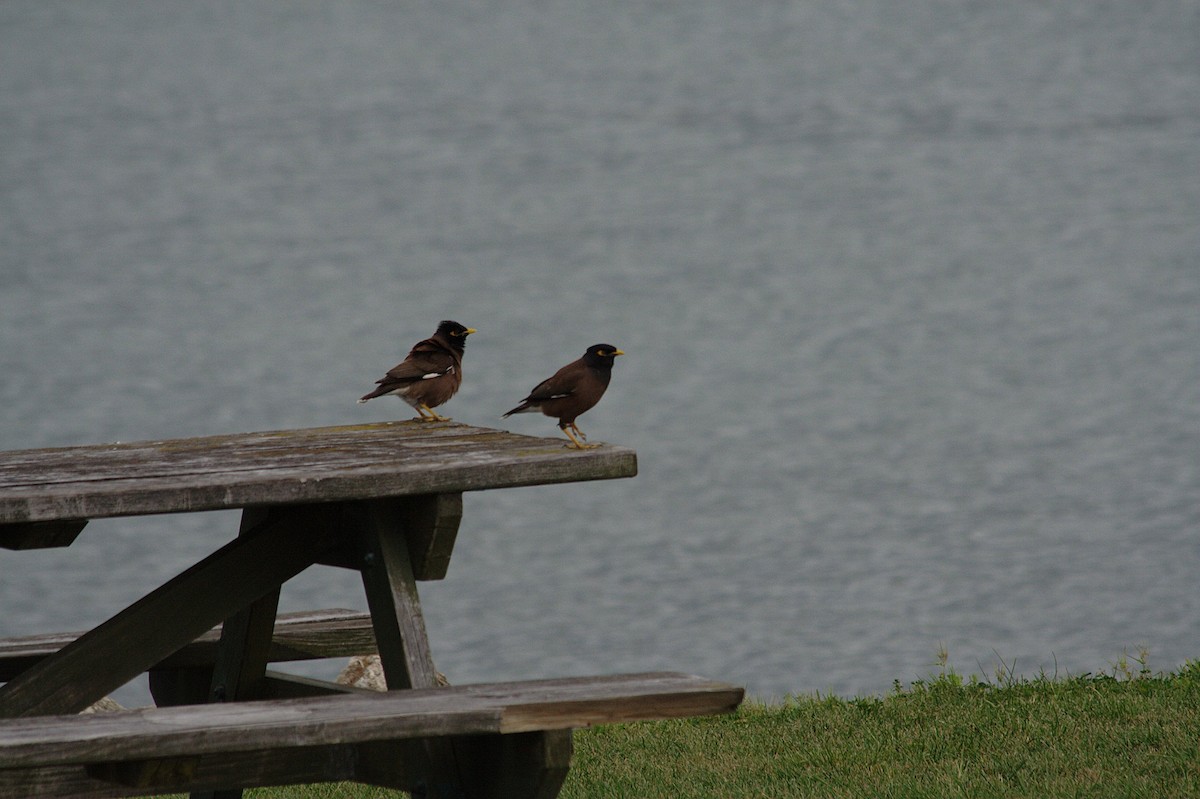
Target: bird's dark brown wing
point(563, 383)
point(427, 359)
point(559, 386)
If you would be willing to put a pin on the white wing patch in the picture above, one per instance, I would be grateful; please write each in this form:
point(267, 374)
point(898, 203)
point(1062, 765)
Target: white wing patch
point(449, 371)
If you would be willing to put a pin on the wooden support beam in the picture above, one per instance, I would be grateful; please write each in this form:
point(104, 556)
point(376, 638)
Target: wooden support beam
point(527, 765)
point(242, 656)
point(244, 650)
point(40, 535)
point(185, 678)
point(171, 616)
point(430, 523)
point(431, 526)
point(172, 687)
point(404, 652)
point(391, 590)
point(402, 765)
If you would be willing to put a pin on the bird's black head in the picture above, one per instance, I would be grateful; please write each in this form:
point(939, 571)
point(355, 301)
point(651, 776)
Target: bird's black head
point(455, 333)
point(600, 356)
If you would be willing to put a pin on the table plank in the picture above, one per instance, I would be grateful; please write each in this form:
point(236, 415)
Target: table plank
point(351, 462)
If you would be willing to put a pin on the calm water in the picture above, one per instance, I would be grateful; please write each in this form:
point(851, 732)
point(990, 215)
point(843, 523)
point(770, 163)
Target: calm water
point(910, 292)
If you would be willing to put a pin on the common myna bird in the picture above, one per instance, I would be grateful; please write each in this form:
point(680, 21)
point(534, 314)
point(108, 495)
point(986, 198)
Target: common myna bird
point(574, 389)
point(430, 375)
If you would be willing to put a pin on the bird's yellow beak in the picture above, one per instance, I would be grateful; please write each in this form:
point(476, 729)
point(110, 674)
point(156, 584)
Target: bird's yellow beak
point(618, 352)
point(469, 331)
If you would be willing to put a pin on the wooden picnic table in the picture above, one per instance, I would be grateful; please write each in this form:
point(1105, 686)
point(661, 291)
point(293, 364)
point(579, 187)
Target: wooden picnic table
point(384, 499)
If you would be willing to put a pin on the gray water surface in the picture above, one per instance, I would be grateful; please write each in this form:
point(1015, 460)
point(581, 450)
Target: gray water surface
point(910, 295)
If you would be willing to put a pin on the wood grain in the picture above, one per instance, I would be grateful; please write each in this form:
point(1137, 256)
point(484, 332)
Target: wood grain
point(244, 649)
point(388, 459)
point(431, 526)
point(391, 589)
point(306, 635)
point(199, 730)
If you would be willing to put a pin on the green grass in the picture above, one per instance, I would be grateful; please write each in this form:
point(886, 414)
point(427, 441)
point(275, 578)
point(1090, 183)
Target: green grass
point(1125, 734)
point(1089, 736)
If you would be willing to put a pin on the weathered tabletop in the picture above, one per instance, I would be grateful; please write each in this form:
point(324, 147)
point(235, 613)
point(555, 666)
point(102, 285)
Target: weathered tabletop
point(328, 464)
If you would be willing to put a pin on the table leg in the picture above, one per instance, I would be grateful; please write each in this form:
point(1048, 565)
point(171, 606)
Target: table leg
point(522, 766)
point(243, 653)
point(386, 564)
point(528, 765)
point(391, 589)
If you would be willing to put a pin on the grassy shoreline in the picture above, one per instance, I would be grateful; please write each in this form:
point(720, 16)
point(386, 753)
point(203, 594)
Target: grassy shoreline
point(1087, 736)
point(1127, 734)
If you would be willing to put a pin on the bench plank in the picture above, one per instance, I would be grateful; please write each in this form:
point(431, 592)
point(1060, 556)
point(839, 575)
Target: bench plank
point(490, 708)
point(304, 635)
point(353, 462)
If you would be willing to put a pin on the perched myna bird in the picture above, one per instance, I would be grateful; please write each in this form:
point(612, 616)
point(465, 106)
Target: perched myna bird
point(574, 389)
point(431, 374)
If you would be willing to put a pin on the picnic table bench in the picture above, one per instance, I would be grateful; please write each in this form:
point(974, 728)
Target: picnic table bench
point(383, 499)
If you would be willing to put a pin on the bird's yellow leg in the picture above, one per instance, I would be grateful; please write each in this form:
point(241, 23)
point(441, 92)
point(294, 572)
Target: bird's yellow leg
point(434, 416)
point(578, 432)
point(577, 443)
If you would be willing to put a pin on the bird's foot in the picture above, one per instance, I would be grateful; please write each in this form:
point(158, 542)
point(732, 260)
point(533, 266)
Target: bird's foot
point(570, 430)
point(433, 416)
